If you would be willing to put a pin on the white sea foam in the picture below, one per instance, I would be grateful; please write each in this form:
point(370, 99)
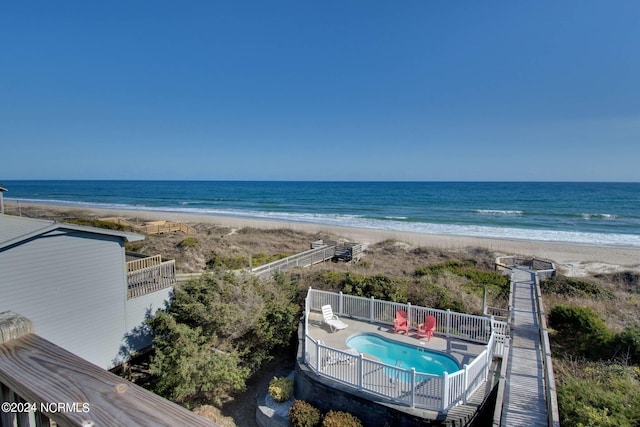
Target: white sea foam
point(359, 221)
point(605, 216)
point(498, 212)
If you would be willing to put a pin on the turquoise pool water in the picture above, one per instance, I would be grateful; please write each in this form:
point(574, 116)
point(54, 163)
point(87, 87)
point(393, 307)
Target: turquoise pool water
point(403, 355)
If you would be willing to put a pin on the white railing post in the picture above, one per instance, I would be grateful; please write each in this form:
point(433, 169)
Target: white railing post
point(413, 387)
point(445, 390)
point(448, 323)
point(488, 361)
point(360, 372)
point(306, 328)
point(409, 314)
point(340, 302)
point(466, 383)
point(371, 306)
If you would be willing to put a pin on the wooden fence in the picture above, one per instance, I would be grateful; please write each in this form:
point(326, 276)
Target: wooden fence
point(153, 227)
point(160, 227)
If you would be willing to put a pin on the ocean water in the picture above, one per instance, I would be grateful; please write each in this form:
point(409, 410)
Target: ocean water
point(605, 214)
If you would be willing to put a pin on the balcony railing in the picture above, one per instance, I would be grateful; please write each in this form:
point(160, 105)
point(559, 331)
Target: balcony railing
point(148, 275)
point(42, 384)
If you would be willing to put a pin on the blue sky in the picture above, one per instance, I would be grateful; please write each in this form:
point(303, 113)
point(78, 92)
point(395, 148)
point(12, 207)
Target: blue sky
point(331, 90)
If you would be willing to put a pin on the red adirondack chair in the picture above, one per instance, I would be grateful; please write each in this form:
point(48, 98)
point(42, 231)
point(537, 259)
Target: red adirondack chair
point(426, 329)
point(401, 323)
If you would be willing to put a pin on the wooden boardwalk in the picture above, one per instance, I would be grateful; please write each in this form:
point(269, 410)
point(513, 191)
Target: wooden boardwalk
point(524, 401)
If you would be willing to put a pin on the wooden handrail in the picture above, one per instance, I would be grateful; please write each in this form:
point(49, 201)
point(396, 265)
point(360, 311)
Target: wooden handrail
point(139, 264)
point(151, 279)
point(46, 382)
point(549, 377)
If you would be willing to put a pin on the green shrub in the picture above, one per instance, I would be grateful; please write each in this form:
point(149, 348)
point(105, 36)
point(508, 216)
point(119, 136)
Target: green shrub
point(262, 259)
point(477, 279)
point(281, 389)
point(340, 419)
point(227, 262)
point(331, 279)
point(217, 331)
point(188, 243)
point(98, 224)
point(601, 394)
point(428, 294)
point(567, 286)
point(582, 330)
point(627, 345)
point(186, 366)
point(304, 414)
point(378, 286)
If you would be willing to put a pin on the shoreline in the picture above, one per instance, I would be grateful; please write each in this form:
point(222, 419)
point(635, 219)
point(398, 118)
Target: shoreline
point(572, 259)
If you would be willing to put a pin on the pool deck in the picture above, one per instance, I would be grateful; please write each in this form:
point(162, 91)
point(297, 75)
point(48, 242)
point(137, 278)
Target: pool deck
point(462, 351)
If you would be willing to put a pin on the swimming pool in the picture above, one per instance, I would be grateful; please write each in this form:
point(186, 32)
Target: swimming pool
point(403, 355)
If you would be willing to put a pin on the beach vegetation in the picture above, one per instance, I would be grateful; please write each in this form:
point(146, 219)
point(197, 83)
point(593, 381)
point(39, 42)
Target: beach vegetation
point(626, 345)
point(573, 287)
point(594, 393)
point(477, 279)
point(580, 329)
point(231, 262)
point(340, 419)
point(281, 389)
point(218, 330)
point(378, 286)
point(453, 284)
point(430, 294)
point(304, 414)
point(597, 370)
point(627, 281)
point(96, 223)
point(262, 258)
point(188, 367)
point(188, 243)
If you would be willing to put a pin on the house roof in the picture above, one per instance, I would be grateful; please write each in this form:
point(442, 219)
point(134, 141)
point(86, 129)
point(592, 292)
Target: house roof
point(14, 229)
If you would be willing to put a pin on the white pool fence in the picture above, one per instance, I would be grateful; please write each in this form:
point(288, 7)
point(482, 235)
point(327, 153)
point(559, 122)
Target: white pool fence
point(400, 385)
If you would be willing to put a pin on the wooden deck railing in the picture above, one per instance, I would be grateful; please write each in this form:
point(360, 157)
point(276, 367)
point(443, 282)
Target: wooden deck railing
point(151, 279)
point(153, 227)
point(139, 264)
point(320, 251)
point(303, 259)
point(549, 377)
point(542, 267)
point(42, 384)
point(160, 227)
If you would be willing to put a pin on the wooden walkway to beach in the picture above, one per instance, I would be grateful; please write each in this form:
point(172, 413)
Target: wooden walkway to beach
point(525, 399)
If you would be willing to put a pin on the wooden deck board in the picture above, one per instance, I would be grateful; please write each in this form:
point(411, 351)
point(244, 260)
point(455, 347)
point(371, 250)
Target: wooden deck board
point(40, 371)
point(525, 400)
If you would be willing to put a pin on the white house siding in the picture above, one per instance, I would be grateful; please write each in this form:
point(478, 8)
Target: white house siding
point(72, 285)
point(137, 310)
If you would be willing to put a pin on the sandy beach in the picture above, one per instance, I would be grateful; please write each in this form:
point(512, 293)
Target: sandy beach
point(570, 259)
